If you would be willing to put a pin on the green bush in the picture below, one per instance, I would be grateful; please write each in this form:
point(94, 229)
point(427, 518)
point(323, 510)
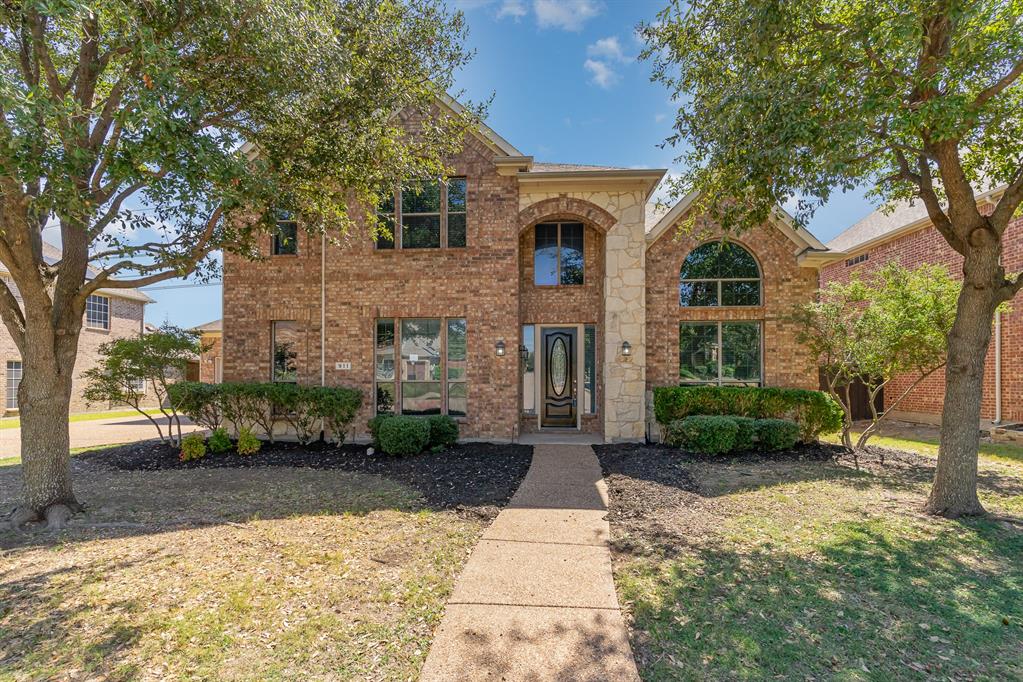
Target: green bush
point(777, 434)
point(202, 403)
point(443, 431)
point(219, 440)
point(248, 444)
point(374, 427)
point(707, 434)
point(745, 433)
point(337, 408)
point(193, 446)
point(404, 435)
point(815, 412)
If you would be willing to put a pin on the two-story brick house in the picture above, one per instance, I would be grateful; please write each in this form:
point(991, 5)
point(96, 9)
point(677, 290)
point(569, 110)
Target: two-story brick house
point(109, 314)
point(521, 296)
point(906, 235)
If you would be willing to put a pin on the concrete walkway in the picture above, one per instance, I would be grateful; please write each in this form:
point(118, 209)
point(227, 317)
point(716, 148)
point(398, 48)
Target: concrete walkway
point(94, 432)
point(536, 600)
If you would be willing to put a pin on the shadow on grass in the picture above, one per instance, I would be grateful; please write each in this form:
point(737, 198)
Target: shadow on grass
point(472, 479)
point(869, 596)
point(103, 642)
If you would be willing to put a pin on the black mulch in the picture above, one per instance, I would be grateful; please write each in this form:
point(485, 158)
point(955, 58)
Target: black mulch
point(475, 477)
point(646, 483)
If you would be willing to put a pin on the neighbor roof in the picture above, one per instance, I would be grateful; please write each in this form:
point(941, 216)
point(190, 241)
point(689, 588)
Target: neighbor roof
point(213, 326)
point(53, 253)
point(883, 225)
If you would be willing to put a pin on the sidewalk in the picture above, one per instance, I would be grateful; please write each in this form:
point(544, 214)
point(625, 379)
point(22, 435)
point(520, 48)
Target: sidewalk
point(536, 600)
point(112, 431)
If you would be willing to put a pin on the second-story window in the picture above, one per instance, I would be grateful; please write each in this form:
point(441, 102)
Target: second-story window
point(285, 234)
point(425, 215)
point(97, 312)
point(558, 254)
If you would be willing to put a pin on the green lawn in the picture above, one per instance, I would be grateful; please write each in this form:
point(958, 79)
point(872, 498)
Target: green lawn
point(1007, 453)
point(15, 422)
point(11, 461)
point(817, 571)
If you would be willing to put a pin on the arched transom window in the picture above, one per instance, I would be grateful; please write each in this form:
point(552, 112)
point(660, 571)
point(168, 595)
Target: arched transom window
point(719, 274)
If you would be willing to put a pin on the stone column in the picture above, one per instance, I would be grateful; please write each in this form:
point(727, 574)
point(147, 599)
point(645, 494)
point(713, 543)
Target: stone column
point(625, 320)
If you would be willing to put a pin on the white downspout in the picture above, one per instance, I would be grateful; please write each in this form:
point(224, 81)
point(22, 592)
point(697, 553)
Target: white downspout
point(998, 367)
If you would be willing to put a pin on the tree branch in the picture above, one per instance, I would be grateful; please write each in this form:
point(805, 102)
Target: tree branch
point(1010, 201)
point(998, 86)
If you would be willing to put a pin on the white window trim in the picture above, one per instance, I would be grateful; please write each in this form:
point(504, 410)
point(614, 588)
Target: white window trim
point(89, 325)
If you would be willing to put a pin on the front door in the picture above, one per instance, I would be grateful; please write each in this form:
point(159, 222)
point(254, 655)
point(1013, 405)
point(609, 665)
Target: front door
point(559, 371)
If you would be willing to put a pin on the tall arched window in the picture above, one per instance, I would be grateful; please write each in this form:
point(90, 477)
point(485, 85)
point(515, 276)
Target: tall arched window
point(719, 274)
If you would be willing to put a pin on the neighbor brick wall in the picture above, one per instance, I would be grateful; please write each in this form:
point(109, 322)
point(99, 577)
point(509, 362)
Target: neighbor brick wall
point(926, 245)
point(784, 285)
point(126, 318)
point(213, 348)
point(477, 282)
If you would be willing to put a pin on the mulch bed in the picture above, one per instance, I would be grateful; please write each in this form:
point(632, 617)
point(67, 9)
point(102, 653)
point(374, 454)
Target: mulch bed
point(475, 477)
point(648, 483)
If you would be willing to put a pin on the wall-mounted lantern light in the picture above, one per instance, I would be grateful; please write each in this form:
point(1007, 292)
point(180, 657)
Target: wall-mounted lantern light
point(626, 349)
point(499, 347)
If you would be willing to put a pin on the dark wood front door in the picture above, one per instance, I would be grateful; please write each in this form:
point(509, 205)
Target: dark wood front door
point(559, 377)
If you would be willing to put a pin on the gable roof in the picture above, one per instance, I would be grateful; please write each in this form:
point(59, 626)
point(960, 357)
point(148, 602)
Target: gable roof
point(484, 132)
point(658, 222)
point(549, 167)
point(212, 326)
point(883, 225)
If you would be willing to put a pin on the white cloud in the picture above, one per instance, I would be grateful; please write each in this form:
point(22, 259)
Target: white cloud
point(603, 75)
point(609, 49)
point(569, 15)
point(513, 8)
point(659, 117)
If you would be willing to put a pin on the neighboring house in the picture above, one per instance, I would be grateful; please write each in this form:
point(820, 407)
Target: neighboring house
point(520, 296)
point(211, 367)
point(906, 235)
point(109, 314)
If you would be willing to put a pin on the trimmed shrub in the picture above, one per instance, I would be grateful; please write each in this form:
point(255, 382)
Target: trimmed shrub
point(248, 444)
point(777, 434)
point(815, 412)
point(202, 403)
point(404, 435)
point(711, 435)
point(745, 433)
point(193, 446)
point(443, 431)
point(337, 408)
point(374, 427)
point(219, 440)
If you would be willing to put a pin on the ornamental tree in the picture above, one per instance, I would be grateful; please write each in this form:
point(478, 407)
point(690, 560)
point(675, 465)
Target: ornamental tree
point(190, 122)
point(892, 323)
point(138, 371)
point(919, 100)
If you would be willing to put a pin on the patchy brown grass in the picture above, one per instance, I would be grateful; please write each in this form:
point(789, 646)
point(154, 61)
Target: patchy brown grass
point(229, 574)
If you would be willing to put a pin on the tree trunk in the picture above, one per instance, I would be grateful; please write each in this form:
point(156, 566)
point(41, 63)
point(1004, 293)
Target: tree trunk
point(44, 398)
point(954, 492)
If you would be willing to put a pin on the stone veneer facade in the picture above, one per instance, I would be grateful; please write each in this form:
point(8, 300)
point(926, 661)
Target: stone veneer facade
point(490, 284)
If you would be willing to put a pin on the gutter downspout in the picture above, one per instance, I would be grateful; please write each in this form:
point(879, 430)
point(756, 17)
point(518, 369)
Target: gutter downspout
point(998, 366)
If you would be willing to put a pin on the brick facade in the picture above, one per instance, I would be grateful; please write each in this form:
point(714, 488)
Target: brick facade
point(213, 351)
point(126, 318)
point(926, 245)
point(490, 283)
point(784, 284)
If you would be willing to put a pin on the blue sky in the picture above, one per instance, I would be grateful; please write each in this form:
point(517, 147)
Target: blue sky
point(566, 87)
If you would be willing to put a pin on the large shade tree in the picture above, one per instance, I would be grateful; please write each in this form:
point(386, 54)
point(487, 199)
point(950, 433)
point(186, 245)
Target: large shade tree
point(191, 122)
point(919, 99)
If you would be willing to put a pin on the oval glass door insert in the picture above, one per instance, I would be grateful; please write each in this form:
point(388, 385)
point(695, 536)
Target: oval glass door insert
point(559, 366)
